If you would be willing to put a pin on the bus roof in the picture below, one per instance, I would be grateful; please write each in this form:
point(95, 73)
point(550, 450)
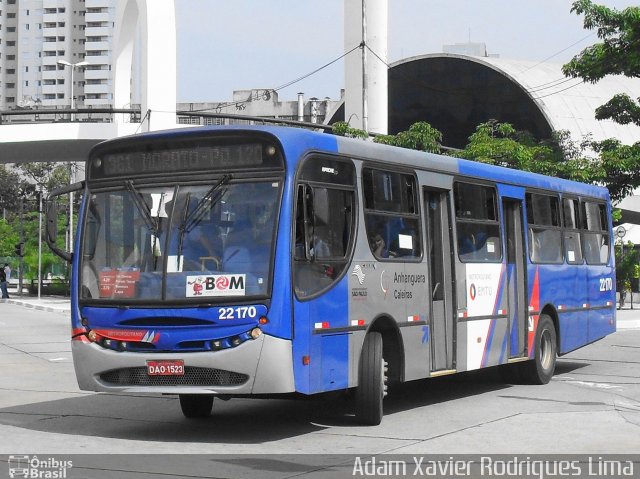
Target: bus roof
point(296, 142)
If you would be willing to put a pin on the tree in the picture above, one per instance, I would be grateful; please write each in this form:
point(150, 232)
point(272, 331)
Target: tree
point(11, 186)
point(627, 257)
point(46, 175)
point(617, 54)
point(420, 136)
point(501, 144)
point(617, 166)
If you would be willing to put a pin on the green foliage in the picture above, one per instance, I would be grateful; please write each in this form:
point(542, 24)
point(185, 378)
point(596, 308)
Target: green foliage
point(500, 144)
point(10, 186)
point(342, 128)
point(420, 136)
point(616, 215)
point(621, 109)
point(16, 189)
point(47, 175)
point(617, 167)
point(627, 258)
point(617, 54)
point(8, 238)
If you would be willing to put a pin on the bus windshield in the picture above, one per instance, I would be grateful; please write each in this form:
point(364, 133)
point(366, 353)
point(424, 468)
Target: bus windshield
point(180, 242)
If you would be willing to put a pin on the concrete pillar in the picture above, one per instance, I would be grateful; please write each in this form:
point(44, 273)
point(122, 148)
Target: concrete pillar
point(158, 59)
point(300, 106)
point(366, 90)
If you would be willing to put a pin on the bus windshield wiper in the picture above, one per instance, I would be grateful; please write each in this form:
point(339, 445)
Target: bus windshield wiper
point(142, 207)
point(191, 220)
point(212, 196)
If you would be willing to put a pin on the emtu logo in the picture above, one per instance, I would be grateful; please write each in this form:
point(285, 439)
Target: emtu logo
point(472, 292)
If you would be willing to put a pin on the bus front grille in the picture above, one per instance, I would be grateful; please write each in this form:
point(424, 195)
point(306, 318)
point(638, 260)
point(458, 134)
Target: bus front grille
point(193, 376)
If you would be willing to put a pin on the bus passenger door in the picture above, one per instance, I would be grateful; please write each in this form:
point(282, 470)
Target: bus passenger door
point(516, 274)
point(441, 282)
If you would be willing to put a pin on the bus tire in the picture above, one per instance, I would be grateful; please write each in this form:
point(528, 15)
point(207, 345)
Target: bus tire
point(371, 381)
point(196, 405)
point(540, 369)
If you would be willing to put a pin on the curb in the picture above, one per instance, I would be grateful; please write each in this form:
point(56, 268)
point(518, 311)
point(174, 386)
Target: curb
point(629, 324)
point(39, 307)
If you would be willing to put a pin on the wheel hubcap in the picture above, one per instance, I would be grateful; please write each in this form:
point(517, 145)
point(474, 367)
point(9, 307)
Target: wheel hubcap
point(546, 350)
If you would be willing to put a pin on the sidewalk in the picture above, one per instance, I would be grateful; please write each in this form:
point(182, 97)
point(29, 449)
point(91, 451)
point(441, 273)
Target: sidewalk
point(626, 318)
point(52, 304)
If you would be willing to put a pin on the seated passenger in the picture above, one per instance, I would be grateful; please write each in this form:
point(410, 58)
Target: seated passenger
point(379, 247)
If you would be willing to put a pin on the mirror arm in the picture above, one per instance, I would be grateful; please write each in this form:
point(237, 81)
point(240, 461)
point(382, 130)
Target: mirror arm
point(65, 255)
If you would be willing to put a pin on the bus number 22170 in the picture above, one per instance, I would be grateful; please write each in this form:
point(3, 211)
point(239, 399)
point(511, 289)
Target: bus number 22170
point(239, 312)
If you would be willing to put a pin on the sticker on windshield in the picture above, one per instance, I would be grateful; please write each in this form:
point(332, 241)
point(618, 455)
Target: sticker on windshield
point(218, 285)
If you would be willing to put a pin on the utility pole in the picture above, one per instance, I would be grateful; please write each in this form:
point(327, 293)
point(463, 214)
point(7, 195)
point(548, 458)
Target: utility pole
point(365, 113)
point(41, 188)
point(21, 270)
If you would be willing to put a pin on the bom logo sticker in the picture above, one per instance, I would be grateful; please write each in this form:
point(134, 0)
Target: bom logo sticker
point(472, 292)
point(218, 285)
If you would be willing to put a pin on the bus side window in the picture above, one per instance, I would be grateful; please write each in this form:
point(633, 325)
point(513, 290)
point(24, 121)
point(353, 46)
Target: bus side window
point(595, 234)
point(323, 234)
point(545, 234)
point(391, 214)
point(572, 244)
point(477, 226)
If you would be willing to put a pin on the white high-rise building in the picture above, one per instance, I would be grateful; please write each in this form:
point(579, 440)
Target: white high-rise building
point(37, 35)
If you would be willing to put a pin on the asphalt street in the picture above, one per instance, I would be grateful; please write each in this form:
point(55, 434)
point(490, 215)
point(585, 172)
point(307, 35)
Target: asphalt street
point(591, 406)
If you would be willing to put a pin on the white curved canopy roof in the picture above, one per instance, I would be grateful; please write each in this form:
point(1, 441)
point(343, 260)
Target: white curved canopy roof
point(567, 103)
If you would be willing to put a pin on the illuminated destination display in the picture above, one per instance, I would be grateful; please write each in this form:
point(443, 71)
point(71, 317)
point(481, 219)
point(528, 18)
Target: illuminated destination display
point(188, 159)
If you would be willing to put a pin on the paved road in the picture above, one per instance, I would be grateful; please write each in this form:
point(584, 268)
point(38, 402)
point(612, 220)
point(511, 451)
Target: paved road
point(592, 406)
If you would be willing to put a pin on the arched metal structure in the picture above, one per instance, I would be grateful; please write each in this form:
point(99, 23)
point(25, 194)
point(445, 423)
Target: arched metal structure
point(155, 23)
point(455, 93)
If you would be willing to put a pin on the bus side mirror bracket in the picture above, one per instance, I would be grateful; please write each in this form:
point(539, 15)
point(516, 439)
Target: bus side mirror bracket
point(52, 219)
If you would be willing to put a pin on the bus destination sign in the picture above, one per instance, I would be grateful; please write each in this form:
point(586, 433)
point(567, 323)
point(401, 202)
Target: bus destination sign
point(176, 160)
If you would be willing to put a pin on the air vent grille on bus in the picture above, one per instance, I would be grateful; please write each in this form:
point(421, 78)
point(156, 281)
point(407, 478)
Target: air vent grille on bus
point(193, 376)
point(165, 321)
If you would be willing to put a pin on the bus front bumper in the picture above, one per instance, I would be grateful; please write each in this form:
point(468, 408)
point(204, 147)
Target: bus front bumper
point(261, 366)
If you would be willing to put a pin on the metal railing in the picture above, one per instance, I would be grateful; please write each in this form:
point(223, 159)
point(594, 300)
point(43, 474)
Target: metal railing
point(68, 115)
point(106, 115)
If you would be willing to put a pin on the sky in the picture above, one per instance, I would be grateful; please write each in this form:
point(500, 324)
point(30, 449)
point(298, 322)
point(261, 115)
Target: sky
point(224, 45)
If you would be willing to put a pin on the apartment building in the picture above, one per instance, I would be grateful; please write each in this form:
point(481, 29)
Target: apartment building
point(53, 49)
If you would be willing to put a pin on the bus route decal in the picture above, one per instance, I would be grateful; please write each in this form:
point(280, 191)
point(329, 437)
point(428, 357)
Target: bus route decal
point(216, 285)
point(118, 283)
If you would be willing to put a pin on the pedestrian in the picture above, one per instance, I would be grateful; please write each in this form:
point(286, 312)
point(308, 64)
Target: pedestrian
point(7, 271)
point(3, 283)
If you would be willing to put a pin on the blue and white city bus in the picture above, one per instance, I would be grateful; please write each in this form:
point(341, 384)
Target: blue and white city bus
point(240, 261)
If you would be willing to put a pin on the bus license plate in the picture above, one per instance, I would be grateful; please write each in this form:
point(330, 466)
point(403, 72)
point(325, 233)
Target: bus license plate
point(165, 368)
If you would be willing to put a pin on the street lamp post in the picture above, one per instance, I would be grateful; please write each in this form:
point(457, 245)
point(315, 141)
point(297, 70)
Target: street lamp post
point(42, 191)
point(71, 178)
point(73, 67)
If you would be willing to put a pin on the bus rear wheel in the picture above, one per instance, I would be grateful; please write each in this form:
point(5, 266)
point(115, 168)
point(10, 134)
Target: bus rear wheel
point(196, 405)
point(372, 381)
point(540, 370)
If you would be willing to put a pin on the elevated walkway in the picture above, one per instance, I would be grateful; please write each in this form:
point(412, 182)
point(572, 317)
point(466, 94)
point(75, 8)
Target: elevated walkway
point(57, 141)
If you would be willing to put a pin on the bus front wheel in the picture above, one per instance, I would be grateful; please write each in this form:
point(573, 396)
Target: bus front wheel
point(196, 405)
point(540, 370)
point(371, 381)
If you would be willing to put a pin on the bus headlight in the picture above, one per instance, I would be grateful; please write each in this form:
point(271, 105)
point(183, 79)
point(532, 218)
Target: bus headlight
point(256, 333)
